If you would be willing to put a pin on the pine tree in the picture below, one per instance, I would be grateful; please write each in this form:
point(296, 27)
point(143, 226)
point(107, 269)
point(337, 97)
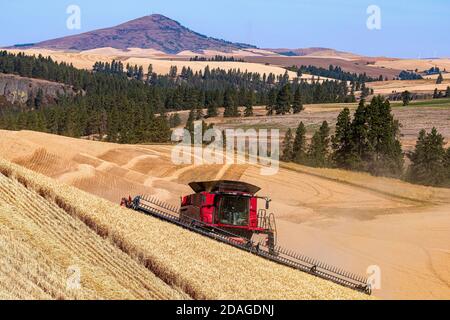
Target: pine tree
point(386, 156)
point(250, 97)
point(364, 91)
point(299, 147)
point(173, 72)
point(344, 155)
point(230, 105)
point(190, 122)
point(359, 134)
point(406, 97)
point(297, 105)
point(428, 159)
point(440, 78)
point(113, 125)
point(435, 94)
point(447, 165)
point(283, 102)
point(271, 102)
point(447, 92)
point(149, 72)
point(318, 151)
point(287, 146)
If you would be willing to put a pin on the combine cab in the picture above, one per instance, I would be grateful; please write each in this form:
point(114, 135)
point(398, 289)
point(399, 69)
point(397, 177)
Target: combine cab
point(227, 211)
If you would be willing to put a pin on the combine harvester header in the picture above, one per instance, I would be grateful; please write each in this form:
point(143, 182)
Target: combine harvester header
point(227, 211)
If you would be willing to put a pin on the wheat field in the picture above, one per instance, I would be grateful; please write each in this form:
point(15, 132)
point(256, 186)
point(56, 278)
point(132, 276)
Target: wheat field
point(199, 267)
point(41, 244)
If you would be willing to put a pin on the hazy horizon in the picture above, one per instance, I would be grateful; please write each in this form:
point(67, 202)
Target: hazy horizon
point(409, 29)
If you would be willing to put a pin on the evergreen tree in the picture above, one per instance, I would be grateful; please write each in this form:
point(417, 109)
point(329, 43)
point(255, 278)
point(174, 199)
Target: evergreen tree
point(230, 105)
point(190, 122)
point(386, 157)
point(435, 94)
point(249, 104)
point(299, 147)
point(344, 153)
point(447, 165)
point(406, 97)
point(428, 159)
point(440, 78)
point(113, 125)
point(149, 72)
point(140, 74)
point(297, 105)
point(271, 102)
point(447, 92)
point(359, 134)
point(287, 154)
point(364, 91)
point(283, 102)
point(173, 72)
point(318, 152)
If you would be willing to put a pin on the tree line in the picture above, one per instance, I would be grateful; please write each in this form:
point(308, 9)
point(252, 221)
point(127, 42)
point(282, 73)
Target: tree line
point(122, 104)
point(369, 142)
point(335, 72)
point(217, 58)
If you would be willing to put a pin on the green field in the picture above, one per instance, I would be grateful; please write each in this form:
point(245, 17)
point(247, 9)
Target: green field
point(443, 102)
point(436, 103)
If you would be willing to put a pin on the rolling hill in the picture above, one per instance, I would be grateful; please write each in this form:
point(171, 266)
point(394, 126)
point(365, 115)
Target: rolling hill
point(150, 32)
point(124, 255)
point(351, 220)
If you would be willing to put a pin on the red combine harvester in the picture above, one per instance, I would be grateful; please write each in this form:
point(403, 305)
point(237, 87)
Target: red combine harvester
point(227, 211)
point(231, 206)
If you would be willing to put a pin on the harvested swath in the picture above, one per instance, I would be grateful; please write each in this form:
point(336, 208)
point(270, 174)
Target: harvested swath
point(46, 163)
point(201, 267)
point(41, 242)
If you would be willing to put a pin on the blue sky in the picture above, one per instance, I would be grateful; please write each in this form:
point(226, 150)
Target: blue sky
point(408, 28)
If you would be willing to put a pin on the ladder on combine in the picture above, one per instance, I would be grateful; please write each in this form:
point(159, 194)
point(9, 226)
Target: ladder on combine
point(156, 208)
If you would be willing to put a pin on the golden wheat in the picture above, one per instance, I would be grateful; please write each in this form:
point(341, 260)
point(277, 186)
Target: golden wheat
point(41, 243)
point(26, 273)
point(201, 267)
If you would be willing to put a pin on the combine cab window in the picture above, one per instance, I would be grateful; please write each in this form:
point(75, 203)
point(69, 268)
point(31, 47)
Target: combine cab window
point(234, 210)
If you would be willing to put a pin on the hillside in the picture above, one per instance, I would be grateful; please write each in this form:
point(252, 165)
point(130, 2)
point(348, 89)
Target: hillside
point(200, 267)
point(353, 66)
point(150, 32)
point(44, 248)
point(351, 220)
point(315, 52)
